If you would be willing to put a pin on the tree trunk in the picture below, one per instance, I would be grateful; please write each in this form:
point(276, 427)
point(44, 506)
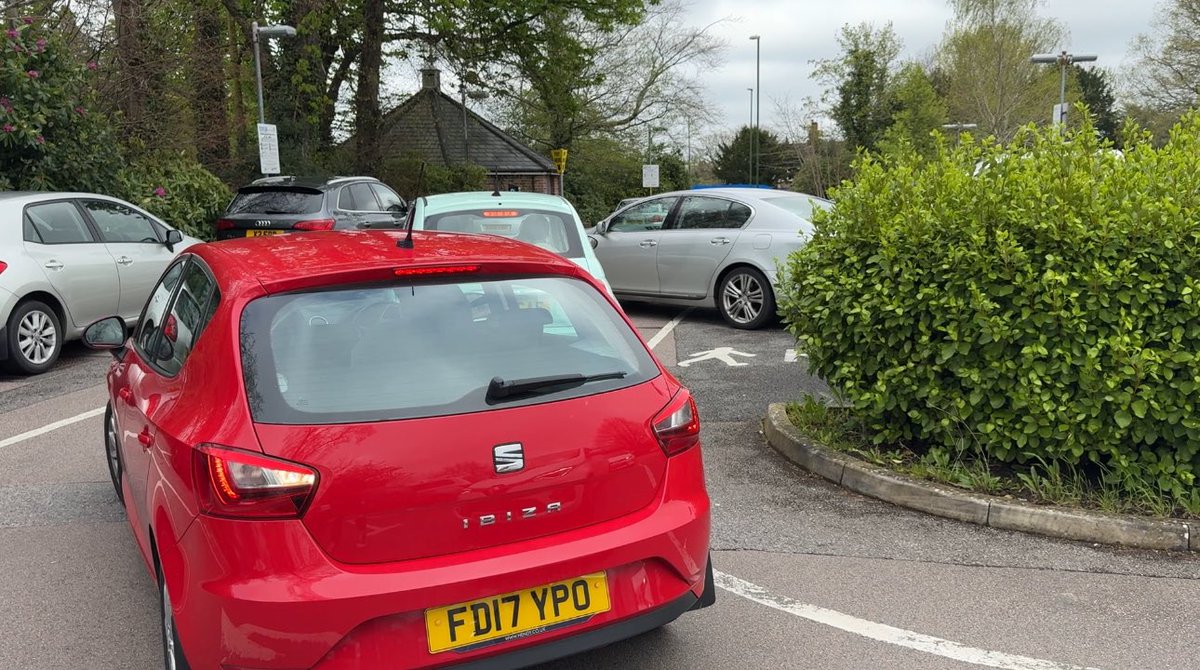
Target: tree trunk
point(131, 62)
point(368, 117)
point(208, 91)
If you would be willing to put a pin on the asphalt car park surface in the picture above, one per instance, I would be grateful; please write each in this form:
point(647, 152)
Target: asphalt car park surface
point(813, 576)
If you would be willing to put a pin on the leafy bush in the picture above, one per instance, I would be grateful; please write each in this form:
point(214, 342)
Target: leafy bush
point(1045, 306)
point(51, 138)
point(178, 190)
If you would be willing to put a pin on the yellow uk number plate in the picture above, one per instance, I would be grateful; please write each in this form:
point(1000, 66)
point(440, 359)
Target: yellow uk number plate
point(262, 233)
point(482, 623)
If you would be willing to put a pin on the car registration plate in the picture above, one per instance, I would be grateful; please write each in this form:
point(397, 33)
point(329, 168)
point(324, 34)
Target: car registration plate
point(262, 233)
point(481, 623)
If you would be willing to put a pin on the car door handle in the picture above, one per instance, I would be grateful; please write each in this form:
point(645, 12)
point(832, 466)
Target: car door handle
point(124, 260)
point(126, 395)
point(146, 439)
point(54, 265)
point(719, 240)
point(646, 244)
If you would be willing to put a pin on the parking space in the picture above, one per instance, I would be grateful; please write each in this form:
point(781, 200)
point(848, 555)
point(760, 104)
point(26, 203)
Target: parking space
point(843, 581)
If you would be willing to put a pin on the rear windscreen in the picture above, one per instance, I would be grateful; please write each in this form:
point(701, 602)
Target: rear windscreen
point(276, 202)
point(418, 350)
point(552, 231)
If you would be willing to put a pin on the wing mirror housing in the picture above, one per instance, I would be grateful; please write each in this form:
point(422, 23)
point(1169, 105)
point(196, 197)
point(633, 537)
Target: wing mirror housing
point(173, 237)
point(107, 334)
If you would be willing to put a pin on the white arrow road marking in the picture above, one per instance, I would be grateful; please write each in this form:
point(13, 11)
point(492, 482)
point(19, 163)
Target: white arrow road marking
point(723, 354)
point(884, 633)
point(30, 434)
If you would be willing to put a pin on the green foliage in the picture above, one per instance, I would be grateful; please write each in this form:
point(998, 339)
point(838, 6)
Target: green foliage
point(178, 190)
point(404, 173)
point(917, 112)
point(1096, 91)
point(862, 80)
point(1045, 306)
point(51, 136)
point(732, 164)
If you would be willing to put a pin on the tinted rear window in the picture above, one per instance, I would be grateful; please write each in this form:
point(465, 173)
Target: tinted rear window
point(276, 202)
point(417, 350)
point(552, 231)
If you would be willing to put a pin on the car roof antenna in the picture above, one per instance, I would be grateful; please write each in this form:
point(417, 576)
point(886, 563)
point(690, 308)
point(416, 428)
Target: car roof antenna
point(495, 186)
point(407, 242)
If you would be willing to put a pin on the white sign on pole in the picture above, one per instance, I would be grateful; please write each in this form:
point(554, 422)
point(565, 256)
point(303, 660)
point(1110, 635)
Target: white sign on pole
point(1060, 115)
point(649, 176)
point(268, 148)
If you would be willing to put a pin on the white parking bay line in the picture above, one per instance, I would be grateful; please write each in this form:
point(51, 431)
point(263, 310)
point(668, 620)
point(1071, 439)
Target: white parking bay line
point(30, 434)
point(885, 633)
point(666, 330)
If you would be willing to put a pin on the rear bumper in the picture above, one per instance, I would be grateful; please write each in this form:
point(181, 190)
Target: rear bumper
point(263, 596)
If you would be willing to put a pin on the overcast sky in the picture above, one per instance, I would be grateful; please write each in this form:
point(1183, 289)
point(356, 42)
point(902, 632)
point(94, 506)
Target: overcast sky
point(796, 32)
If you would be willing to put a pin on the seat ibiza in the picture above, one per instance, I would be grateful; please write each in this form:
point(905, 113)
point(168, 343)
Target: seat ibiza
point(359, 450)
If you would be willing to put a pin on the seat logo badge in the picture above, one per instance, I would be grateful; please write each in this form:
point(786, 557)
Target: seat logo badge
point(508, 457)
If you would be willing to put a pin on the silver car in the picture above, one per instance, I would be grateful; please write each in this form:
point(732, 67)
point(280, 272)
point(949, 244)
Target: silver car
point(68, 259)
point(722, 245)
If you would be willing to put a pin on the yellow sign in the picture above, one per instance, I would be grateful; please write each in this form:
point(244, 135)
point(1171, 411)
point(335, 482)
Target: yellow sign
point(516, 615)
point(559, 156)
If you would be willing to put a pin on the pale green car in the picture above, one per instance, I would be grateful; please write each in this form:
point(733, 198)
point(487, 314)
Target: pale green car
point(546, 221)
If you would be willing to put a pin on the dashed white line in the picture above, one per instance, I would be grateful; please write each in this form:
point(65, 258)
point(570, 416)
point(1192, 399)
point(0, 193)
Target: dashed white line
point(884, 633)
point(30, 434)
point(666, 330)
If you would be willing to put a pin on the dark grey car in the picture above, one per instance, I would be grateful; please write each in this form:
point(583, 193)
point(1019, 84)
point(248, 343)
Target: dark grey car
point(275, 205)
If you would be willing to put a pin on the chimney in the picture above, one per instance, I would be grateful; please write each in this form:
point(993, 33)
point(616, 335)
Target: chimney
point(814, 133)
point(431, 78)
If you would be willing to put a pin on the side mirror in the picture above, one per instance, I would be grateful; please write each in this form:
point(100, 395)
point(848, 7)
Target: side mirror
point(106, 335)
point(602, 228)
point(173, 237)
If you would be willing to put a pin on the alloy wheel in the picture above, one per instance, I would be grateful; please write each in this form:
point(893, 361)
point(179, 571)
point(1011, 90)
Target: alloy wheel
point(36, 337)
point(743, 298)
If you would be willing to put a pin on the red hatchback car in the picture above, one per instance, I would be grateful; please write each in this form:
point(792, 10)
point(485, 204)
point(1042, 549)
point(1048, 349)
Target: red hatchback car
point(336, 451)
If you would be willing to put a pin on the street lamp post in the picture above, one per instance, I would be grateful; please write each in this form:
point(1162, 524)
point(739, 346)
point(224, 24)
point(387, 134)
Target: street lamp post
point(1063, 59)
point(267, 32)
point(751, 159)
point(756, 151)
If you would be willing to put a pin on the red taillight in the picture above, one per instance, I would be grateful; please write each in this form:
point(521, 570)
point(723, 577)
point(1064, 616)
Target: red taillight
point(225, 224)
point(439, 270)
point(3, 266)
point(315, 224)
point(677, 426)
point(243, 484)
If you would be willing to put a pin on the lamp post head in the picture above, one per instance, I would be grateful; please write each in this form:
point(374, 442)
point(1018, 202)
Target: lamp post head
point(756, 37)
point(276, 31)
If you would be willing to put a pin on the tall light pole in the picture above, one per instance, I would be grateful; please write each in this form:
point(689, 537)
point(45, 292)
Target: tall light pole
point(751, 164)
point(1064, 60)
point(267, 32)
point(756, 172)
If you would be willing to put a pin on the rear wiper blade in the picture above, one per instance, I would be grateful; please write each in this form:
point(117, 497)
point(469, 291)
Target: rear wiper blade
point(501, 389)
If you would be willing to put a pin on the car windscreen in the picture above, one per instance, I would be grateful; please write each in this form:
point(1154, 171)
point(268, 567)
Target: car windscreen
point(385, 352)
point(800, 205)
point(276, 201)
point(552, 231)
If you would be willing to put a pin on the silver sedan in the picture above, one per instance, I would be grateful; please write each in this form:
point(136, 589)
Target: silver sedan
point(722, 245)
point(68, 259)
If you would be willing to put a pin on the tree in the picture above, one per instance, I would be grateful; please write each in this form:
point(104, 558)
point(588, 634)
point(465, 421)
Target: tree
point(1166, 75)
point(1096, 92)
point(861, 80)
point(593, 80)
point(918, 111)
point(733, 159)
point(984, 59)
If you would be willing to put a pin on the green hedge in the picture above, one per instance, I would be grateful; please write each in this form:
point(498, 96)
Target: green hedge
point(178, 190)
point(1043, 306)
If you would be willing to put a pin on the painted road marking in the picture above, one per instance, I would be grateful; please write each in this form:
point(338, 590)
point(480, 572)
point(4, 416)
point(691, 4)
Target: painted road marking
point(790, 355)
point(723, 354)
point(666, 330)
point(30, 434)
point(884, 633)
